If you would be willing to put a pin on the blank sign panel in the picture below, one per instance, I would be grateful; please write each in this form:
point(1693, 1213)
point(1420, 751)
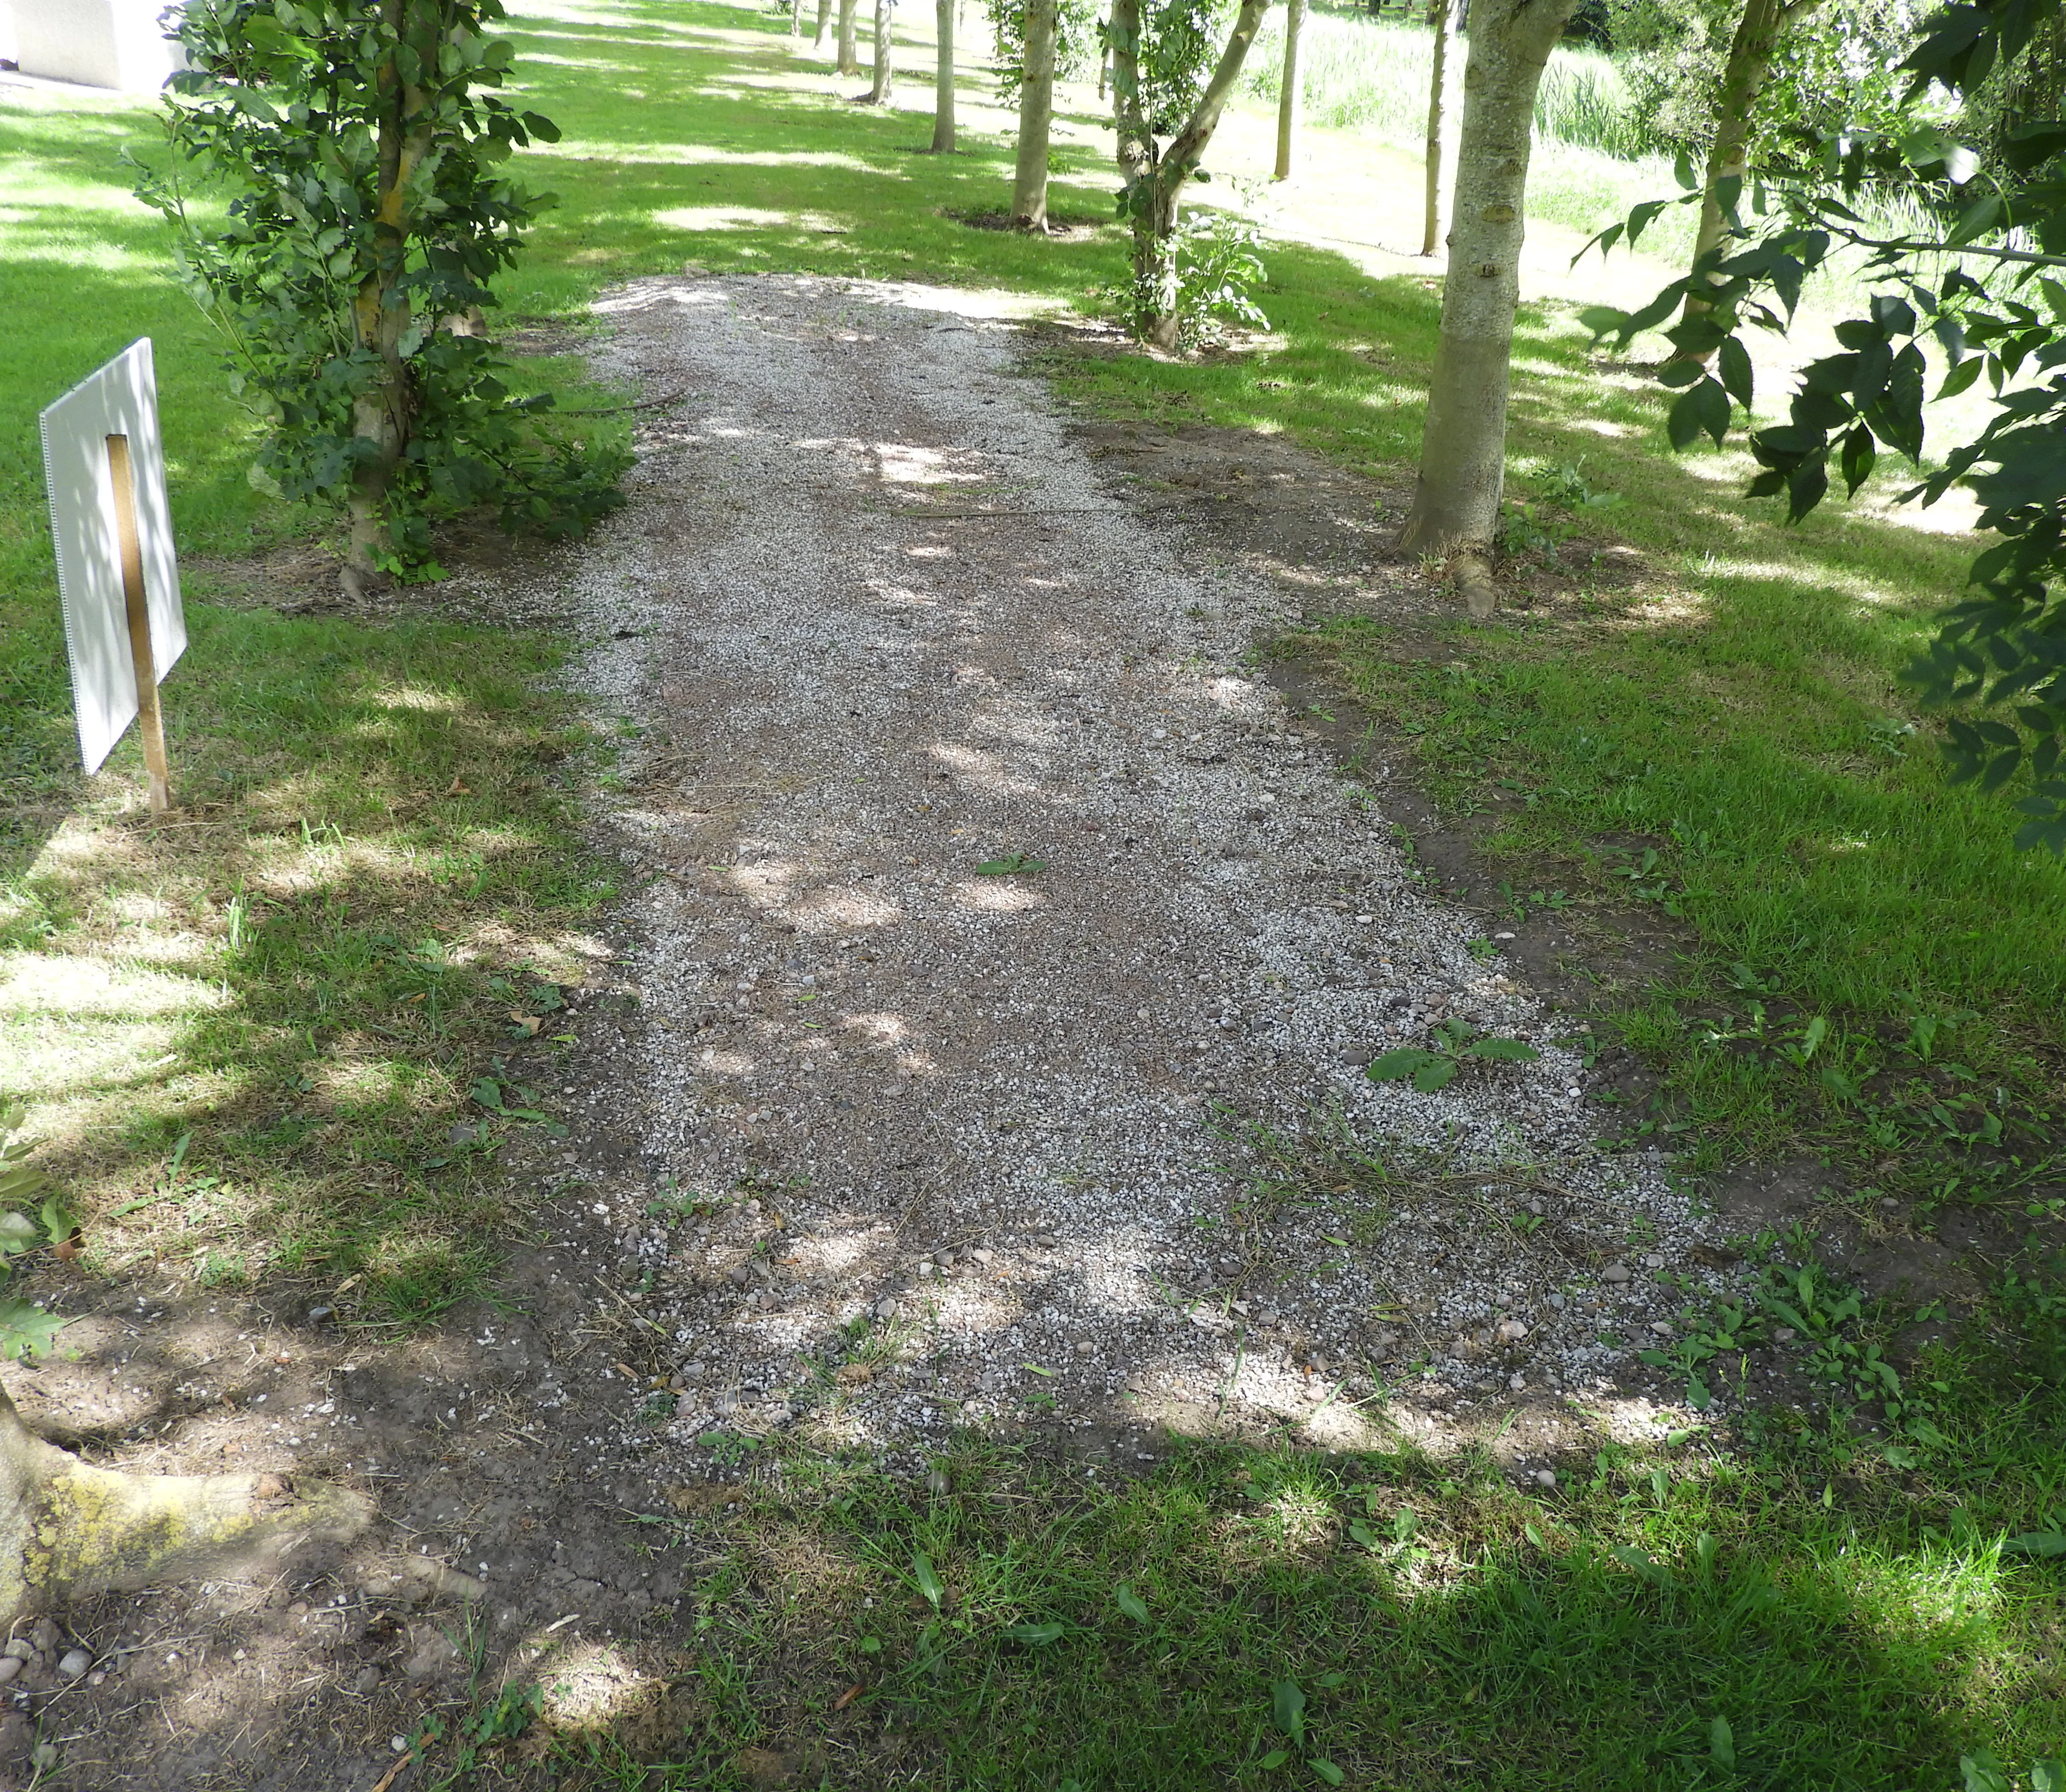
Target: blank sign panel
point(120, 399)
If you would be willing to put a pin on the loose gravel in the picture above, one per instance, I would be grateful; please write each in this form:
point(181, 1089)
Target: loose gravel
point(928, 1143)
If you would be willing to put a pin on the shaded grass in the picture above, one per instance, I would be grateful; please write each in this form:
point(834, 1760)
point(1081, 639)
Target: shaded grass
point(1029, 1626)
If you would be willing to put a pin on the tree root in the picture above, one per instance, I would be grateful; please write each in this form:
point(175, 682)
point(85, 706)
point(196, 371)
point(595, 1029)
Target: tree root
point(1473, 576)
point(68, 1528)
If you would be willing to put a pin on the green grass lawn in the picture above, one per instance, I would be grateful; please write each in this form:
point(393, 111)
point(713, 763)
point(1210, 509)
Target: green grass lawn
point(310, 978)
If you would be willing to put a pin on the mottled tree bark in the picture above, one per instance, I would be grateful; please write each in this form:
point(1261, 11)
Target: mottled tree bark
point(1155, 175)
point(943, 78)
point(1036, 117)
point(1463, 449)
point(1442, 20)
point(383, 414)
point(885, 51)
point(1751, 53)
point(849, 57)
point(824, 24)
point(1289, 97)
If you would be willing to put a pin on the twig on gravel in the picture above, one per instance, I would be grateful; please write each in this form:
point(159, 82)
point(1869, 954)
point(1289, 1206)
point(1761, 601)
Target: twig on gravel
point(618, 410)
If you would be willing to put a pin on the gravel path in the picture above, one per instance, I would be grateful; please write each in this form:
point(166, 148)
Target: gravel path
point(926, 1146)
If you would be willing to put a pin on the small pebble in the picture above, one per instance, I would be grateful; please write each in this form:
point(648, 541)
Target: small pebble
point(1546, 1477)
point(1517, 1382)
point(74, 1663)
point(1614, 1272)
point(10, 1666)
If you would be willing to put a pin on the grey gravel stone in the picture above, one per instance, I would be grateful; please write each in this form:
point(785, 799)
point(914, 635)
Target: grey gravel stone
point(74, 1664)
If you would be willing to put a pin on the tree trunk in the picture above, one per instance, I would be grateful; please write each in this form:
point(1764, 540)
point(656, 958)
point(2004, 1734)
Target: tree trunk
point(1751, 53)
point(1462, 447)
point(878, 94)
point(824, 24)
point(943, 79)
point(1036, 117)
point(1155, 175)
point(1442, 17)
point(383, 412)
point(850, 59)
point(795, 18)
point(1289, 98)
point(68, 1528)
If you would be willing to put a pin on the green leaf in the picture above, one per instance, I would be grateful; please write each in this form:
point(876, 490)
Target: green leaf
point(1512, 1051)
point(1131, 1603)
point(1721, 1743)
point(17, 1233)
point(928, 1582)
point(1394, 1067)
point(2038, 1542)
point(1701, 409)
point(1287, 1706)
point(1733, 364)
point(1037, 1636)
point(1011, 865)
point(27, 1331)
point(1275, 1759)
point(488, 1093)
point(1361, 1533)
point(1435, 1076)
point(1327, 1771)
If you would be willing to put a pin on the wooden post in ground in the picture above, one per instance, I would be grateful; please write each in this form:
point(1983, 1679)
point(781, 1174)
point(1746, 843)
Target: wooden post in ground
point(150, 724)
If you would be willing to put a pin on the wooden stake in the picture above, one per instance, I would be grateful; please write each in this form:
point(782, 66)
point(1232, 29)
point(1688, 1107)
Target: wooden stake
point(150, 724)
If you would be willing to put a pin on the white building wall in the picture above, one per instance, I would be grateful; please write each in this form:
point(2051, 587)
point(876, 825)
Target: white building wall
point(96, 43)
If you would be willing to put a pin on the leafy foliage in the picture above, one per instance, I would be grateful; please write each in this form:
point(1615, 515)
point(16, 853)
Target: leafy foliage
point(370, 208)
point(1435, 1065)
point(25, 1330)
point(1079, 43)
point(1998, 658)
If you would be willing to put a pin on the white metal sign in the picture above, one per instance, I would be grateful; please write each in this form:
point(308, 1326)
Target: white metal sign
point(117, 578)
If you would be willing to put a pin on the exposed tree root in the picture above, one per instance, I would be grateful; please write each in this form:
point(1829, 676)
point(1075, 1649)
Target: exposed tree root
point(69, 1529)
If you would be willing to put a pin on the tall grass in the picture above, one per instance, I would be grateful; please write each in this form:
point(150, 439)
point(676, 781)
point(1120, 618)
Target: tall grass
point(1373, 74)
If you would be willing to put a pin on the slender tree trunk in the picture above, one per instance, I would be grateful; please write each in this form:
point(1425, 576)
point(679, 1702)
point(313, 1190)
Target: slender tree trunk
point(886, 49)
point(1036, 117)
point(824, 24)
point(1751, 53)
point(68, 1528)
point(943, 78)
point(795, 18)
point(383, 412)
point(1289, 98)
point(1155, 177)
point(849, 59)
point(1442, 18)
point(1463, 448)
point(1104, 70)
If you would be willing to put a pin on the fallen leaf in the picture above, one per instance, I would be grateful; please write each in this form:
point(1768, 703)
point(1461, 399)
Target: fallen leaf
point(530, 1023)
point(65, 1249)
point(627, 1372)
point(848, 1697)
point(458, 789)
point(853, 1374)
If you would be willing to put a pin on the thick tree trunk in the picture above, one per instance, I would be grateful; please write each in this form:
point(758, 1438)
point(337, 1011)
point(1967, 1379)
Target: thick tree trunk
point(1751, 53)
point(383, 412)
point(1463, 448)
point(1290, 97)
point(943, 78)
point(1442, 19)
point(886, 48)
point(1036, 118)
point(824, 24)
point(849, 59)
point(1155, 175)
point(68, 1528)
